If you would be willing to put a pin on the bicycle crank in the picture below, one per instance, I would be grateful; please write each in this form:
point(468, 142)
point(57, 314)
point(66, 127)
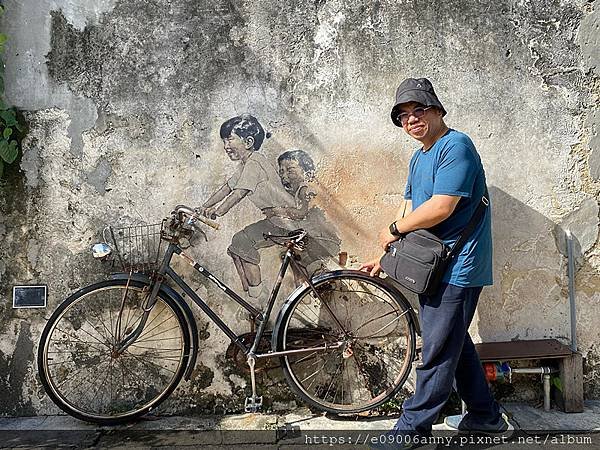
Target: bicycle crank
point(254, 402)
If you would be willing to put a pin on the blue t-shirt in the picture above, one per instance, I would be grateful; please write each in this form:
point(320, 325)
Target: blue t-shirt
point(452, 167)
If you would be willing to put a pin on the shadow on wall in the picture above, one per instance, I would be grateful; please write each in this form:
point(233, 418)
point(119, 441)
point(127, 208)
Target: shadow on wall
point(529, 298)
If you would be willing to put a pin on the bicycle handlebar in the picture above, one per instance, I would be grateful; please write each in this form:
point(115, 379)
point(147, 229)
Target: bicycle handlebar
point(190, 212)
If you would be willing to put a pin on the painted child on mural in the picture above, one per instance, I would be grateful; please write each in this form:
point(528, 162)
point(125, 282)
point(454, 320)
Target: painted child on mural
point(296, 171)
point(256, 179)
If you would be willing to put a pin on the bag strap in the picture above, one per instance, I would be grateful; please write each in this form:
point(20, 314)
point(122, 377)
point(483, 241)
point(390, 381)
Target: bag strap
point(404, 210)
point(475, 218)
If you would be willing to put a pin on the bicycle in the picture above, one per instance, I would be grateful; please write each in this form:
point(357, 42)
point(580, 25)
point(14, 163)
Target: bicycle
point(114, 350)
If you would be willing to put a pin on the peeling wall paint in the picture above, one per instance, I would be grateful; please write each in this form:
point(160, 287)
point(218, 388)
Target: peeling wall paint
point(125, 98)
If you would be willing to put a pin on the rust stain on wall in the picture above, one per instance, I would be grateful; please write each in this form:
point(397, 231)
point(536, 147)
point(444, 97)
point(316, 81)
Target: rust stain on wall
point(362, 190)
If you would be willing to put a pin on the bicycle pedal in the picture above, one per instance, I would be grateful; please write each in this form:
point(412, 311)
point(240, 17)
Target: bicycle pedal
point(253, 404)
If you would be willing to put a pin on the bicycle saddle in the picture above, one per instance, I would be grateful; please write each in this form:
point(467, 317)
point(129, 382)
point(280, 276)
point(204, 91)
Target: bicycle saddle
point(295, 237)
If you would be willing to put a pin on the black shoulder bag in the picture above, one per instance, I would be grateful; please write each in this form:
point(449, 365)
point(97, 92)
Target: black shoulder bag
point(418, 260)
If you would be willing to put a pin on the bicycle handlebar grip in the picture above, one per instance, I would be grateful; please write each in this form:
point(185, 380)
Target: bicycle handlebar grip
point(210, 223)
point(191, 212)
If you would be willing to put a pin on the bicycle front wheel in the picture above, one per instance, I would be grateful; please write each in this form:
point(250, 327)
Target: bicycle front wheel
point(81, 367)
point(362, 334)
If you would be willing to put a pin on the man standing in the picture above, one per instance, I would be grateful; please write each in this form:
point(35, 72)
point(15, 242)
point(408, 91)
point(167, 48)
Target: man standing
point(446, 183)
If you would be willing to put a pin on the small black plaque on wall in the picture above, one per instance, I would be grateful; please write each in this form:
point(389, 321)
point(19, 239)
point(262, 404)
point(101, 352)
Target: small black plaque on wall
point(29, 297)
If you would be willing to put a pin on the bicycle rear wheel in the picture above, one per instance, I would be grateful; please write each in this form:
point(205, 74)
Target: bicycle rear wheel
point(81, 369)
point(368, 331)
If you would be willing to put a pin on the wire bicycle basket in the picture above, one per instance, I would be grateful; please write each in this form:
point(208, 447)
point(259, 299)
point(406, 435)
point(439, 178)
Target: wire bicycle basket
point(136, 248)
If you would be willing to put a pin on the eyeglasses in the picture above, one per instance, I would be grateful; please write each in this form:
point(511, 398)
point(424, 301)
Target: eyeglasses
point(418, 112)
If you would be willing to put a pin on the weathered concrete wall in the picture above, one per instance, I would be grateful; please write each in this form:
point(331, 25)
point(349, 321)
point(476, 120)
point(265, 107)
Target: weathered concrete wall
point(125, 99)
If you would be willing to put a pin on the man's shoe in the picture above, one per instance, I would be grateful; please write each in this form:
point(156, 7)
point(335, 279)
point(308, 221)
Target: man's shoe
point(467, 425)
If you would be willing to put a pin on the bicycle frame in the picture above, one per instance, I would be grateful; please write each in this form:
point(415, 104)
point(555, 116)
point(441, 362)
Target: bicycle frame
point(321, 340)
point(262, 319)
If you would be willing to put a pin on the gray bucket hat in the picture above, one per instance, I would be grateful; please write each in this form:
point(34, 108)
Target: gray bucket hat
point(418, 90)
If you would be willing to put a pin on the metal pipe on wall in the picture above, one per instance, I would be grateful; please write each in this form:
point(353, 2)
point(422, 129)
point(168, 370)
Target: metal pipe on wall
point(545, 371)
point(540, 370)
point(546, 391)
point(571, 274)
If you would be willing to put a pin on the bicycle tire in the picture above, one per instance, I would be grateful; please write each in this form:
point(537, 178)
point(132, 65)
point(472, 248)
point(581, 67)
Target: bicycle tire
point(77, 362)
point(378, 347)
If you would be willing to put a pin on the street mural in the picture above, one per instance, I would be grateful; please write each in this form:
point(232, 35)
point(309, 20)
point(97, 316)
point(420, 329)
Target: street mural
point(281, 190)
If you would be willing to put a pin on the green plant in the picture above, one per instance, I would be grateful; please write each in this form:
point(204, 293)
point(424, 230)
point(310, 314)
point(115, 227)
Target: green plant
point(10, 128)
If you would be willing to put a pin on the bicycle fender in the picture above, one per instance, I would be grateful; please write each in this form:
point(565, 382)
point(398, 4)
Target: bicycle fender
point(327, 276)
point(185, 308)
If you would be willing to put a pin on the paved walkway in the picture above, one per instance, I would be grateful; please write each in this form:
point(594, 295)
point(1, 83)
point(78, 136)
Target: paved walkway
point(300, 429)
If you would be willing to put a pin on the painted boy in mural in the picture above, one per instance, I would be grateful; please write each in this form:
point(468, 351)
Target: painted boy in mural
point(297, 170)
point(258, 180)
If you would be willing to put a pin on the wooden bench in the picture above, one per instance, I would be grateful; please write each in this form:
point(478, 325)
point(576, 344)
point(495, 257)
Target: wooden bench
point(570, 364)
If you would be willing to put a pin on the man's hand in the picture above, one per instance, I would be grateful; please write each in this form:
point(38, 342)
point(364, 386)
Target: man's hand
point(386, 238)
point(373, 267)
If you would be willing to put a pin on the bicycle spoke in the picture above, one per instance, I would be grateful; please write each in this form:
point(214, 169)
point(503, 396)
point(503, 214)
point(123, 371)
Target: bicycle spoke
point(378, 318)
point(100, 386)
point(93, 337)
point(304, 358)
point(105, 343)
point(67, 379)
point(156, 316)
point(156, 340)
point(102, 322)
point(135, 377)
point(113, 326)
point(142, 315)
point(110, 369)
point(144, 333)
point(94, 328)
point(307, 319)
point(342, 386)
point(79, 341)
point(320, 369)
point(377, 296)
point(314, 363)
point(390, 380)
point(141, 360)
point(367, 380)
point(126, 325)
point(158, 334)
point(159, 357)
point(157, 349)
point(71, 352)
point(388, 363)
point(335, 319)
point(333, 377)
point(82, 380)
point(135, 319)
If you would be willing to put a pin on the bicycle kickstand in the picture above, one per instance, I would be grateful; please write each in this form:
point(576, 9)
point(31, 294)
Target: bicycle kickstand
point(253, 403)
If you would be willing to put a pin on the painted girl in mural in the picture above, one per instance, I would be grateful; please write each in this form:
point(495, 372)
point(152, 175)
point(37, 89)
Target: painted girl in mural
point(256, 179)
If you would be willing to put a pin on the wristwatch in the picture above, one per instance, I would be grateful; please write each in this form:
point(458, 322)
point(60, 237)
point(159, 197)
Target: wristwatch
point(394, 231)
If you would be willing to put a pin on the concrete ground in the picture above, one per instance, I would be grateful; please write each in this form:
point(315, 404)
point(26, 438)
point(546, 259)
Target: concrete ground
point(300, 429)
